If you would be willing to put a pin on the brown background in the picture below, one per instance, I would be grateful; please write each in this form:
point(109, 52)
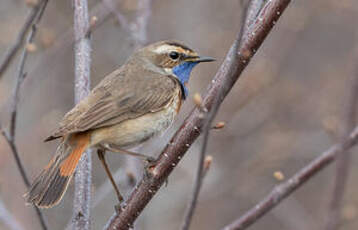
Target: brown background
point(284, 111)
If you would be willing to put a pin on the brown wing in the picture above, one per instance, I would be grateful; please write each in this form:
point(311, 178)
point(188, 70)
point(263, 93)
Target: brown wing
point(120, 96)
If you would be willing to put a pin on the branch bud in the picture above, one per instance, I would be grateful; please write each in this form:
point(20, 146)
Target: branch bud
point(207, 162)
point(93, 21)
point(279, 175)
point(197, 100)
point(219, 125)
point(31, 47)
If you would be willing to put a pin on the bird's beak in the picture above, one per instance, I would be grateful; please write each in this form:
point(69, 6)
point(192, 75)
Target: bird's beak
point(198, 59)
point(205, 59)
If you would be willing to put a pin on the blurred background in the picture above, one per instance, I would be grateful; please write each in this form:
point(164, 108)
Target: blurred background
point(286, 109)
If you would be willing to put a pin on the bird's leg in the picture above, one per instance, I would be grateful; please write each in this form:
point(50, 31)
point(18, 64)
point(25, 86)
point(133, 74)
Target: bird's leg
point(149, 161)
point(116, 149)
point(101, 153)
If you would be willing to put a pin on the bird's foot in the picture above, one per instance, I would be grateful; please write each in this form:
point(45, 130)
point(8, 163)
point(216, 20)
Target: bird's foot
point(149, 164)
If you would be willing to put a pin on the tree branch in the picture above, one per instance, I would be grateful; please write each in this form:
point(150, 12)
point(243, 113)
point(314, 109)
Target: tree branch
point(8, 219)
point(284, 189)
point(10, 54)
point(253, 9)
point(235, 62)
point(139, 27)
point(83, 177)
point(10, 135)
point(67, 39)
point(343, 159)
point(249, 15)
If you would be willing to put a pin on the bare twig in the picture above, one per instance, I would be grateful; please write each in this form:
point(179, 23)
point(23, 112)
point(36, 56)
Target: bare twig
point(21, 74)
point(8, 219)
point(247, 20)
point(15, 153)
point(249, 16)
point(67, 39)
point(235, 62)
point(139, 27)
point(10, 136)
point(284, 189)
point(10, 54)
point(83, 178)
point(24, 176)
point(343, 159)
point(102, 10)
point(109, 4)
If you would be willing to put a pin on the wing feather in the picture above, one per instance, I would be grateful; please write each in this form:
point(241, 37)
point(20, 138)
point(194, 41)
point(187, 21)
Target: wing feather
point(120, 96)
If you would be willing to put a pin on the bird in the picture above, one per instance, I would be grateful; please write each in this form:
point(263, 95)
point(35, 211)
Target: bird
point(129, 106)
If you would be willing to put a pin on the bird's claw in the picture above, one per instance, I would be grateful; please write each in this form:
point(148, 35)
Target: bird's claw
point(149, 164)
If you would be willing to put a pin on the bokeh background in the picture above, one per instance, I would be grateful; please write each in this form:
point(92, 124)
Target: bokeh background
point(286, 109)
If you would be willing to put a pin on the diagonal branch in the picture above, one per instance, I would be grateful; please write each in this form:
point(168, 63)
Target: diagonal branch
point(10, 54)
point(253, 9)
point(231, 69)
point(284, 189)
point(21, 74)
point(24, 176)
point(249, 15)
point(10, 136)
point(83, 177)
point(343, 159)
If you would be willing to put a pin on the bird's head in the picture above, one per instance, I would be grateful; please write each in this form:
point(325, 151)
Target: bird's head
point(174, 58)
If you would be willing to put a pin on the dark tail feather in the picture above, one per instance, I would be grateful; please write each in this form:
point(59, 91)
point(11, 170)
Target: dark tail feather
point(49, 187)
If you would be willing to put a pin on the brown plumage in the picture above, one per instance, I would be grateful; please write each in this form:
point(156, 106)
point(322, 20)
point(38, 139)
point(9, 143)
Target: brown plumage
point(130, 105)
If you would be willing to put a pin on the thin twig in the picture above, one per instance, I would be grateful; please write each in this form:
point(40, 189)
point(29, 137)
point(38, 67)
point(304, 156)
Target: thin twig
point(8, 219)
point(139, 27)
point(83, 177)
point(24, 176)
point(343, 159)
point(10, 136)
point(21, 75)
point(246, 21)
point(284, 189)
point(235, 62)
point(121, 19)
point(66, 40)
point(10, 54)
point(16, 156)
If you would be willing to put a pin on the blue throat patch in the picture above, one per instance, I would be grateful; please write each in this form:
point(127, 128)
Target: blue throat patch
point(183, 71)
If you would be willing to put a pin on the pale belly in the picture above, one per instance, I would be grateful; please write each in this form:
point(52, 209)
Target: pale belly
point(135, 131)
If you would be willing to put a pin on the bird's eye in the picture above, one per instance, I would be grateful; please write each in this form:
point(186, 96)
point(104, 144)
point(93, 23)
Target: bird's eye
point(174, 55)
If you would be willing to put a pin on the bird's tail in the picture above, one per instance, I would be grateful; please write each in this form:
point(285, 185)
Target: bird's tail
point(49, 187)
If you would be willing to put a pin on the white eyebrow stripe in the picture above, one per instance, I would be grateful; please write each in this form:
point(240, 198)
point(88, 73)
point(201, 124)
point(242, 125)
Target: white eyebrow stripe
point(163, 49)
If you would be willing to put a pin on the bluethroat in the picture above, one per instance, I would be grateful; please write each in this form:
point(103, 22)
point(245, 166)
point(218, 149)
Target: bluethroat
point(129, 106)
